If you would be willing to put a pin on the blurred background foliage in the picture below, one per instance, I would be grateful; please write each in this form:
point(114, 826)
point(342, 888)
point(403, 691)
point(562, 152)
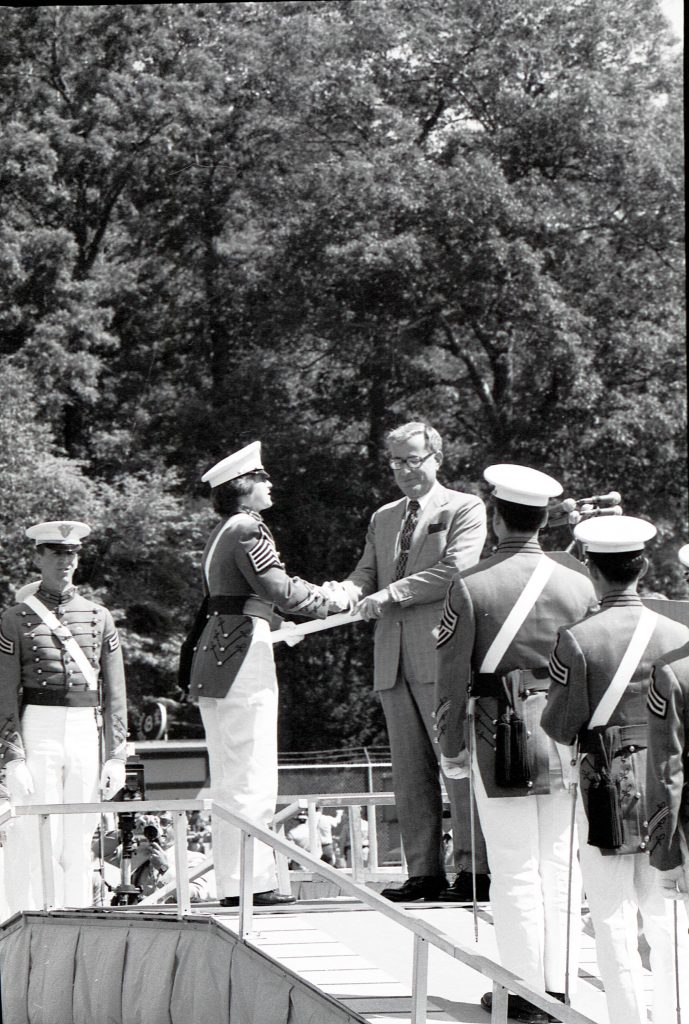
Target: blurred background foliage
point(308, 222)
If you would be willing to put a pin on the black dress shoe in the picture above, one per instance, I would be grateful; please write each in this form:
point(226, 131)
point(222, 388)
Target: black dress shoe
point(518, 1009)
point(271, 898)
point(461, 890)
point(419, 887)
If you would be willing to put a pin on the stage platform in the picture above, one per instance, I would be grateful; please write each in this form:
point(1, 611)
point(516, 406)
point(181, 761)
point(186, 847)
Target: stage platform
point(320, 961)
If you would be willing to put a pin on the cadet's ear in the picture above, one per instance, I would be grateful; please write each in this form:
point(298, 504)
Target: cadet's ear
point(644, 569)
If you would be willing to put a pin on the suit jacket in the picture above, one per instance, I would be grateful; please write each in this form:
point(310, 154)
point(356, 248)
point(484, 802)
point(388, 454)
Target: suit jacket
point(583, 663)
point(478, 603)
point(449, 536)
point(668, 760)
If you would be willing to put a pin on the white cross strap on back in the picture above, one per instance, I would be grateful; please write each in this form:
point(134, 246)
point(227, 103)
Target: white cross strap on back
point(66, 639)
point(207, 563)
point(523, 605)
point(626, 669)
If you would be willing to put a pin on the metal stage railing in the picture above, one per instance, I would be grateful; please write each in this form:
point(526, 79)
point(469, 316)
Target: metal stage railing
point(425, 935)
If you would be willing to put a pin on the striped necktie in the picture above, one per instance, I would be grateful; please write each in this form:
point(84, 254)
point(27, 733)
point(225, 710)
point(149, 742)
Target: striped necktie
point(405, 538)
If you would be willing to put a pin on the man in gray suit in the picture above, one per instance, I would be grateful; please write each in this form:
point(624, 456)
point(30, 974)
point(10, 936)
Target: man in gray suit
point(414, 548)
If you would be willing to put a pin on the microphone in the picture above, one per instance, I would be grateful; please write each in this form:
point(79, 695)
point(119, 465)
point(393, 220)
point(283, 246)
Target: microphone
point(590, 511)
point(602, 500)
point(562, 508)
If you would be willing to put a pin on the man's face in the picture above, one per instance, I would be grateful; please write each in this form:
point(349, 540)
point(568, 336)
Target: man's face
point(56, 564)
point(415, 482)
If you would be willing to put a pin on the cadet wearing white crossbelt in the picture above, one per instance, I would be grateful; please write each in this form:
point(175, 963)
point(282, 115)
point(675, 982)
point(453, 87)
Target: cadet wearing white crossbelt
point(601, 672)
point(61, 668)
point(499, 623)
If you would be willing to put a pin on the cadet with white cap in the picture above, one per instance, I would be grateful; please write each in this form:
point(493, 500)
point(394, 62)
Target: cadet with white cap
point(60, 662)
point(600, 670)
point(667, 770)
point(232, 672)
point(499, 623)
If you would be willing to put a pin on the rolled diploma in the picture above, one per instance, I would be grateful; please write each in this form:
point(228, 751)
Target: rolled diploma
point(315, 626)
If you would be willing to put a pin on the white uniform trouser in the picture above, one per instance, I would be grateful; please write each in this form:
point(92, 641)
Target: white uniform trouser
point(61, 746)
point(528, 843)
point(241, 735)
point(618, 888)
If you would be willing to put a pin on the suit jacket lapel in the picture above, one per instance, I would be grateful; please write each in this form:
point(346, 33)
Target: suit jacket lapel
point(437, 500)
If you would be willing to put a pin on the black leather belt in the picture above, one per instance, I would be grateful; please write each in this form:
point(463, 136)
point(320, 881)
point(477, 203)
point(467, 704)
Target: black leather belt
point(490, 684)
point(61, 698)
point(620, 738)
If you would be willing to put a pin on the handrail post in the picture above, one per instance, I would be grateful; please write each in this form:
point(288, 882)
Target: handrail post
point(500, 1002)
point(313, 826)
point(419, 982)
point(355, 839)
point(282, 867)
point(47, 868)
point(179, 821)
point(246, 884)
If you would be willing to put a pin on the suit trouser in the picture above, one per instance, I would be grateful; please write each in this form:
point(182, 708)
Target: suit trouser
point(61, 746)
point(617, 888)
point(408, 709)
point(528, 840)
point(241, 735)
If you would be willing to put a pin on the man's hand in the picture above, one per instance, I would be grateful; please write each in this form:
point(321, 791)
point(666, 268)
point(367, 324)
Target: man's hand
point(371, 607)
point(19, 779)
point(112, 778)
point(336, 595)
point(674, 883)
point(456, 767)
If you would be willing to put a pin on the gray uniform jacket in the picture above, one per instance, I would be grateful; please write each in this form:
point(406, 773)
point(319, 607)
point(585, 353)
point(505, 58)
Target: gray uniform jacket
point(244, 579)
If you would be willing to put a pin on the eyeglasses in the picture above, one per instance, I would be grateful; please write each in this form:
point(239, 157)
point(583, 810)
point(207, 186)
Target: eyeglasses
point(412, 462)
point(260, 475)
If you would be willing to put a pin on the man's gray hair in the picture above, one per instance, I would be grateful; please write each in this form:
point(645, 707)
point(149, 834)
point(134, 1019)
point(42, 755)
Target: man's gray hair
point(399, 434)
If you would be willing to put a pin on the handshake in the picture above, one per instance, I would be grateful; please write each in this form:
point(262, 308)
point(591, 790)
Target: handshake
point(340, 600)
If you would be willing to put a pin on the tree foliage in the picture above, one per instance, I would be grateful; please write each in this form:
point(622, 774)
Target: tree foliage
point(306, 222)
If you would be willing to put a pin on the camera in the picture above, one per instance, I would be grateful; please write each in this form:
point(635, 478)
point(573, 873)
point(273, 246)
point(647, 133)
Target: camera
point(152, 833)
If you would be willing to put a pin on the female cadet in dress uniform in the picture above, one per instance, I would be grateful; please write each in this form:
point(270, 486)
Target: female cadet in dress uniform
point(600, 670)
point(233, 676)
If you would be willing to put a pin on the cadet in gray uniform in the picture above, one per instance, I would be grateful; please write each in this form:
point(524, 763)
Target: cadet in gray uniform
point(60, 666)
point(233, 676)
point(499, 623)
point(601, 668)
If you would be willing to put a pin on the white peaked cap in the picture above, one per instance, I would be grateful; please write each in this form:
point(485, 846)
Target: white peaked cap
point(618, 533)
point(246, 460)
point(683, 555)
point(62, 531)
point(522, 485)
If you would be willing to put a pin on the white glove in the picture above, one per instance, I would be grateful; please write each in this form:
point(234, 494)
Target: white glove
point(456, 767)
point(289, 627)
point(112, 777)
point(338, 598)
point(674, 883)
point(19, 779)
